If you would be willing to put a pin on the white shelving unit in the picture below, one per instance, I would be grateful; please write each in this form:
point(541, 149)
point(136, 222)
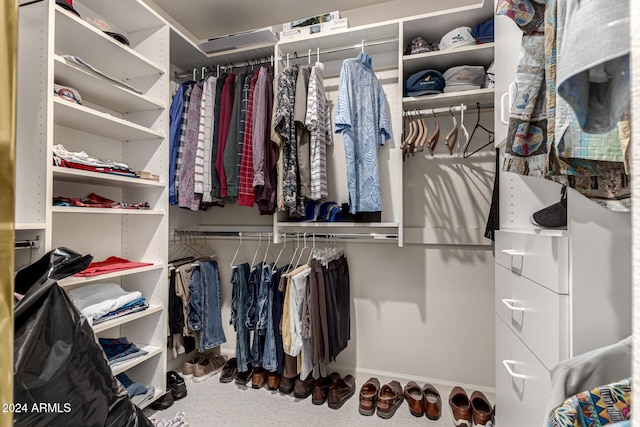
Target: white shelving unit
point(381, 43)
point(113, 122)
point(446, 197)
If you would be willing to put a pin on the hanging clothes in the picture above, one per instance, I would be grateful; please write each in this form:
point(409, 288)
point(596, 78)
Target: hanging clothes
point(318, 121)
point(177, 114)
point(187, 198)
point(205, 316)
point(363, 120)
point(246, 194)
point(302, 133)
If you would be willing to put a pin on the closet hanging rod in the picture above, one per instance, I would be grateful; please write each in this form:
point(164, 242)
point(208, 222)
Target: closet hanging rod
point(452, 109)
point(360, 45)
point(229, 65)
point(340, 236)
point(27, 244)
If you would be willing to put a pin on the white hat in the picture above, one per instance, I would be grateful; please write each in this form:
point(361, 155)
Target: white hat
point(458, 37)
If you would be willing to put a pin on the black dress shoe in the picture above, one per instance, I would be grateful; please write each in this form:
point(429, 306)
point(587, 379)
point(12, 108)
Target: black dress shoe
point(177, 385)
point(163, 402)
point(229, 370)
point(243, 378)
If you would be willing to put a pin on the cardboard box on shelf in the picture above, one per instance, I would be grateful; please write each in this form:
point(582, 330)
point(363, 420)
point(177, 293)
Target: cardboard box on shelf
point(313, 29)
point(312, 20)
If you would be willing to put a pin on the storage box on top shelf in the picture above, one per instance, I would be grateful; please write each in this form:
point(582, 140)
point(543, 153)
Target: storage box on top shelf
point(313, 29)
point(312, 20)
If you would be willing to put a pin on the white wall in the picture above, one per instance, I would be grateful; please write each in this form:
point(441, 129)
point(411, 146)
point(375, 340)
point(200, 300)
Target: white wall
point(416, 312)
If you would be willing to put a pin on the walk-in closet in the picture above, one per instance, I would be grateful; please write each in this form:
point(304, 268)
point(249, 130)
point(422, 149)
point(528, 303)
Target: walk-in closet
point(349, 213)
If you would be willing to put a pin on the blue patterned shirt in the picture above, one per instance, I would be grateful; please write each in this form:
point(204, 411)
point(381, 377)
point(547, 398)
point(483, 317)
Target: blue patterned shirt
point(363, 119)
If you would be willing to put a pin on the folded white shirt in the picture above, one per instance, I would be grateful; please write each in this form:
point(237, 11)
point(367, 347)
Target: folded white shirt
point(96, 300)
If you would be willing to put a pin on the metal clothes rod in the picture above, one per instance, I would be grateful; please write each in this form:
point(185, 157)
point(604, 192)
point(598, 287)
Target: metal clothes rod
point(207, 69)
point(340, 236)
point(27, 244)
point(340, 48)
point(452, 109)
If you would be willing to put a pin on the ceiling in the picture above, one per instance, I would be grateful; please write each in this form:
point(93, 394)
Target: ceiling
point(209, 18)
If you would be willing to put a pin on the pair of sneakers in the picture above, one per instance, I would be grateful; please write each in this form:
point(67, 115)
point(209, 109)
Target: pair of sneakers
point(203, 367)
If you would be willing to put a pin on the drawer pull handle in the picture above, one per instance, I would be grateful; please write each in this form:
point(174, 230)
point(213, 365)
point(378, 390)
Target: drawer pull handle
point(506, 364)
point(513, 252)
point(510, 306)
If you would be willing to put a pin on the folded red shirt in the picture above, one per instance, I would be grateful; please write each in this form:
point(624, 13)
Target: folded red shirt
point(110, 265)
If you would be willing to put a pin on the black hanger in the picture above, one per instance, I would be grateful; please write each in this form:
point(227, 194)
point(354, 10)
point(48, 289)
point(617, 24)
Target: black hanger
point(490, 133)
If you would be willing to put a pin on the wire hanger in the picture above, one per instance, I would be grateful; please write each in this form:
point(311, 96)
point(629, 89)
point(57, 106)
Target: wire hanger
point(303, 248)
point(490, 134)
point(255, 256)
point(362, 47)
point(317, 54)
point(284, 245)
point(233, 261)
point(313, 249)
point(266, 252)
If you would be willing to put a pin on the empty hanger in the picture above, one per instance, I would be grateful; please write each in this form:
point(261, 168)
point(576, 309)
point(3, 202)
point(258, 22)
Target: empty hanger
point(236, 254)
point(422, 136)
point(255, 256)
point(465, 134)
point(490, 135)
point(452, 137)
point(266, 252)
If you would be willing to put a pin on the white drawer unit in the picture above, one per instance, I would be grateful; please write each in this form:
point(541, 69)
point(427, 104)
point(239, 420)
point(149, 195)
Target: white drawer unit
point(522, 382)
point(538, 316)
point(543, 259)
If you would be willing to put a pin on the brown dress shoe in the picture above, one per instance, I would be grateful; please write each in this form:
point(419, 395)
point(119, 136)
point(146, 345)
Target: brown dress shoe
point(431, 401)
point(273, 380)
point(287, 384)
point(341, 391)
point(369, 397)
point(259, 377)
point(481, 408)
point(413, 395)
point(321, 388)
point(389, 399)
point(460, 407)
point(303, 388)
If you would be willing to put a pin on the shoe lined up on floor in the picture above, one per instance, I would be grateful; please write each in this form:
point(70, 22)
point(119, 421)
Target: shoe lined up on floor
point(390, 398)
point(202, 367)
point(321, 388)
point(423, 400)
point(340, 391)
point(176, 383)
point(208, 367)
point(229, 370)
point(464, 409)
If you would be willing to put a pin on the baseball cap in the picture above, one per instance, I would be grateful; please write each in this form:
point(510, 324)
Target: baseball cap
point(457, 37)
point(463, 77)
point(424, 82)
point(67, 93)
point(483, 32)
point(420, 45)
point(105, 27)
point(67, 4)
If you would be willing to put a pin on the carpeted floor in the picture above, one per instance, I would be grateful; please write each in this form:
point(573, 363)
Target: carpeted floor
point(212, 403)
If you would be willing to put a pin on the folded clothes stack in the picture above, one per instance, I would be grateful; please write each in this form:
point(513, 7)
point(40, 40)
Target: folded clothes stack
point(120, 350)
point(100, 302)
point(82, 161)
point(96, 201)
point(138, 393)
point(110, 265)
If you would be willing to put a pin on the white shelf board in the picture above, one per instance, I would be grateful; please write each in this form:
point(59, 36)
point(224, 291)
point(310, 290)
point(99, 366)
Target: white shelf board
point(337, 224)
point(86, 119)
point(126, 319)
point(385, 55)
point(84, 211)
point(101, 91)
point(151, 349)
point(550, 232)
point(30, 226)
point(130, 17)
point(78, 38)
point(441, 60)
point(97, 178)
point(78, 281)
point(448, 99)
